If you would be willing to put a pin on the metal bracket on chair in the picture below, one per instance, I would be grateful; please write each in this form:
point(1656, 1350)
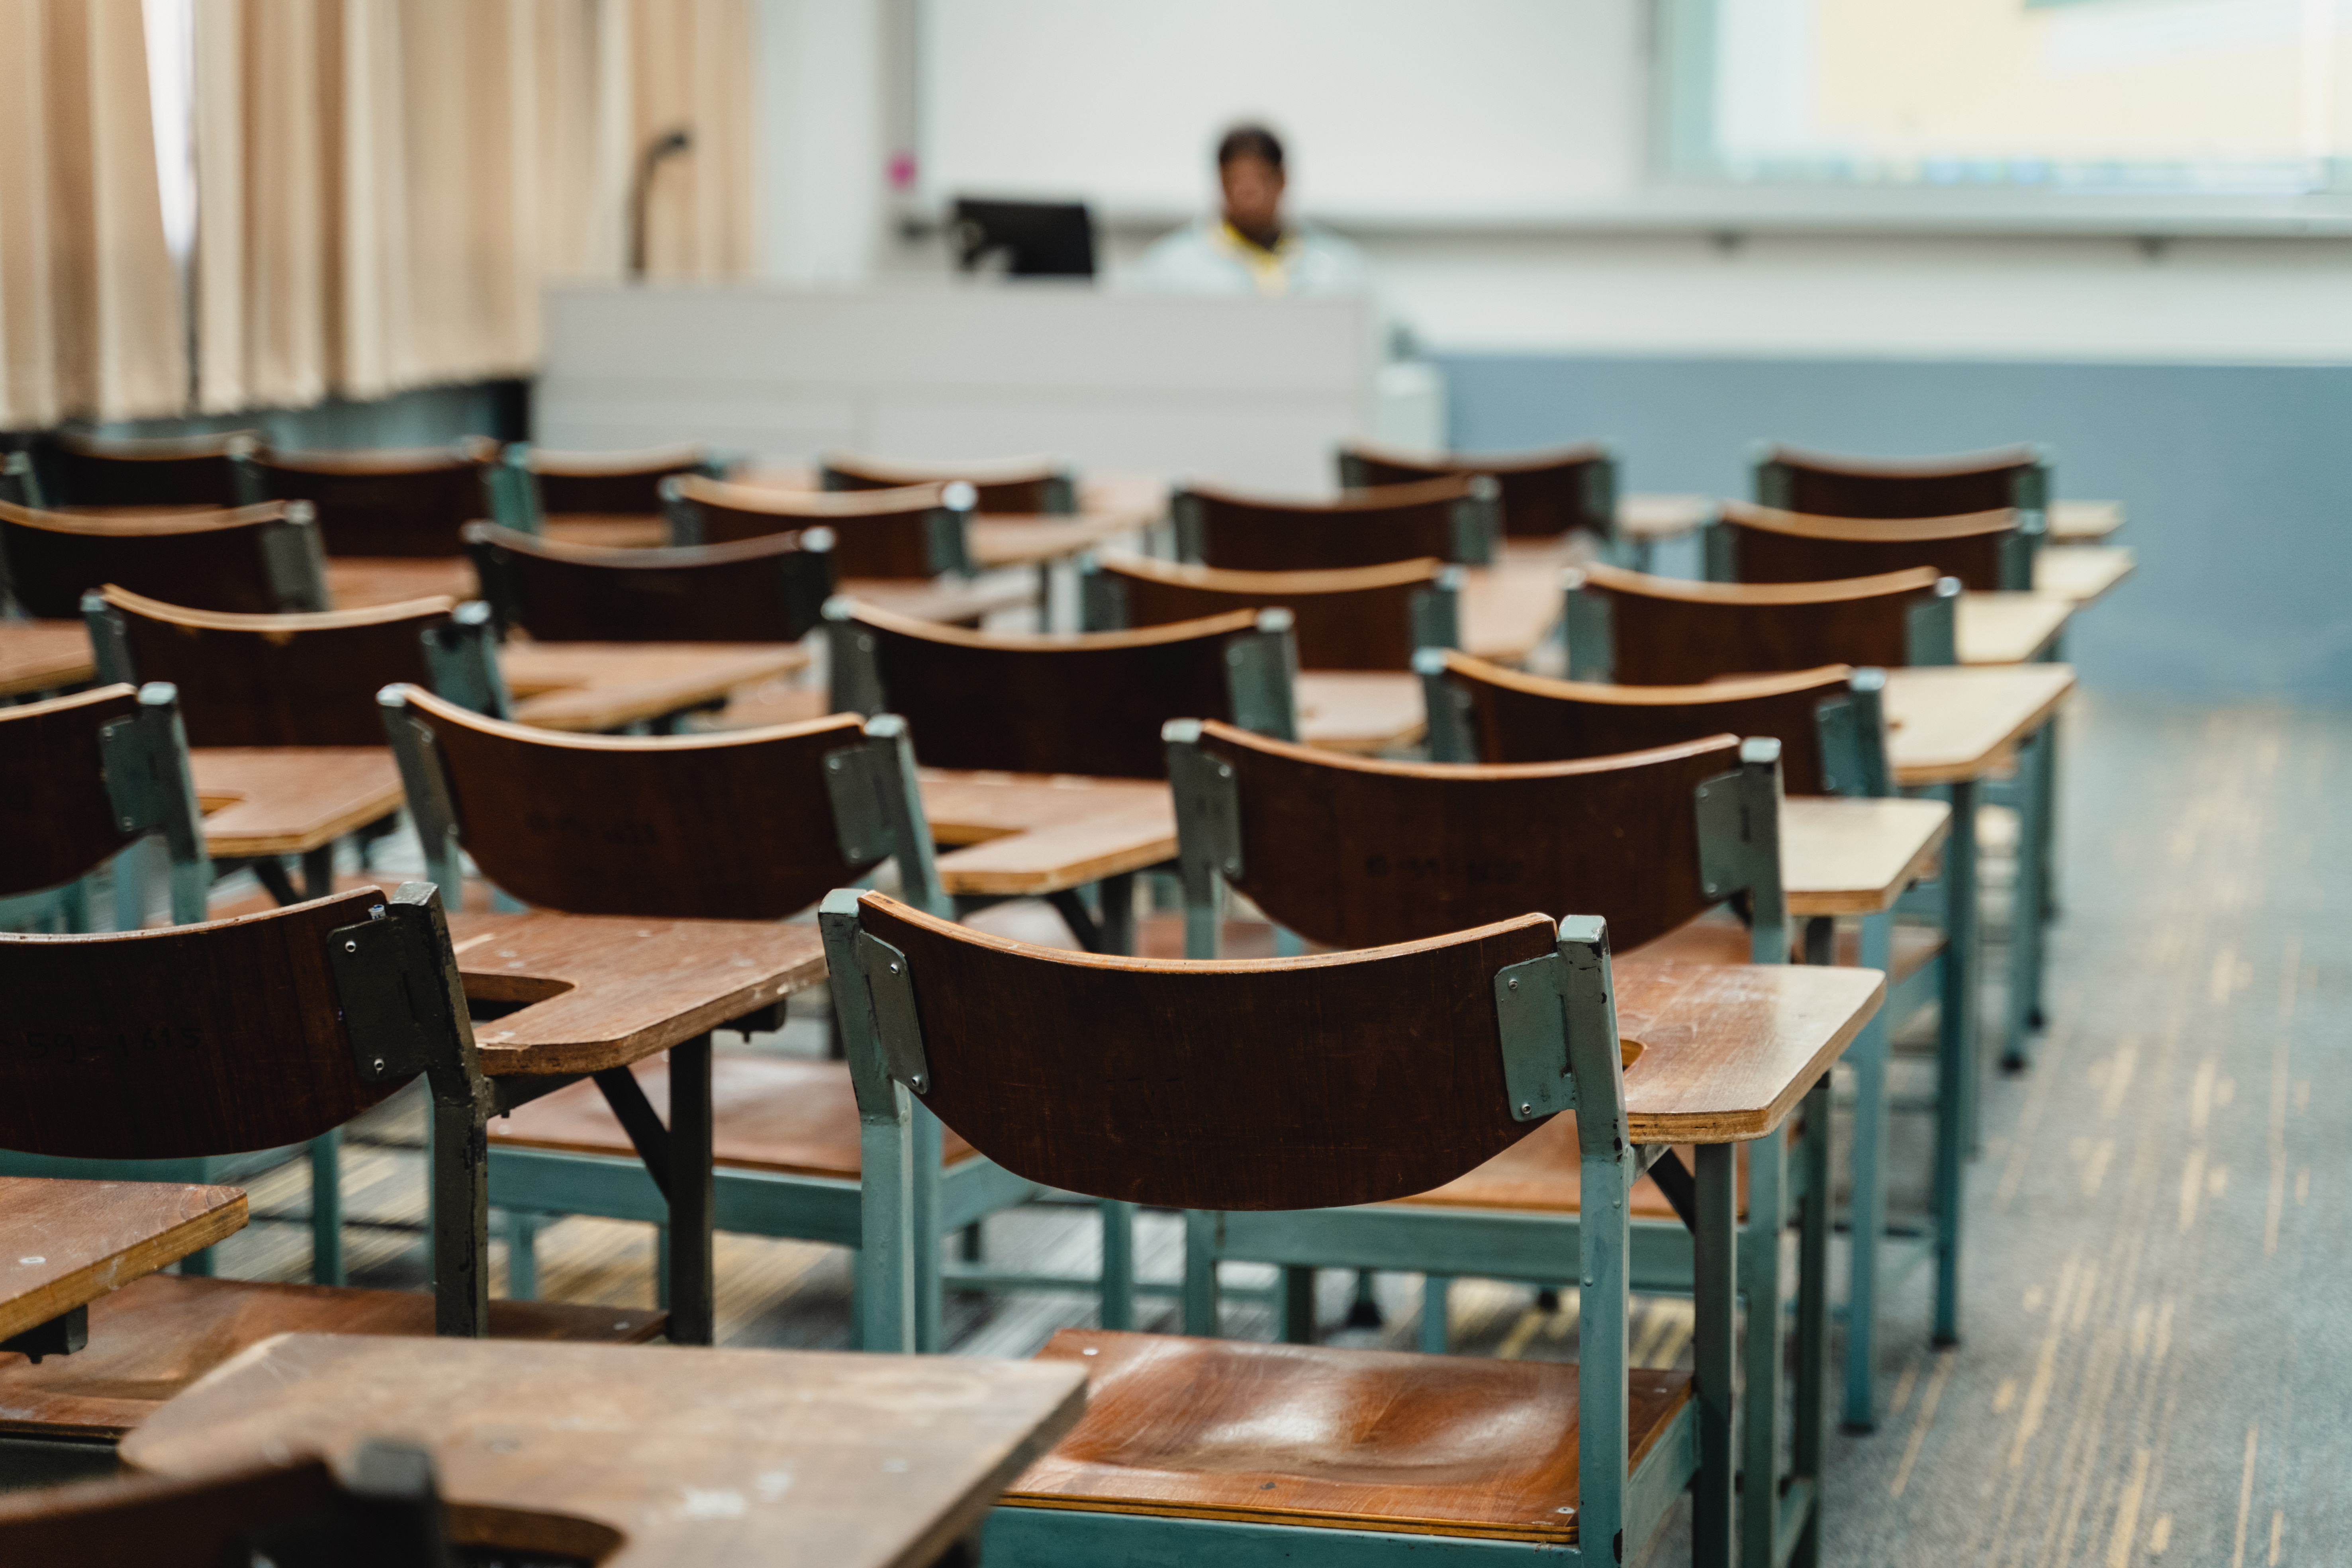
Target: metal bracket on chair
point(424, 779)
point(682, 516)
point(878, 811)
point(2018, 549)
point(1600, 493)
point(1261, 677)
point(891, 987)
point(1772, 479)
point(294, 560)
point(854, 778)
point(1931, 626)
point(512, 491)
point(1102, 597)
point(1852, 730)
point(1208, 809)
point(1732, 837)
point(806, 591)
point(61, 1335)
point(1674, 1178)
point(1436, 611)
point(1477, 522)
point(1531, 1017)
point(1184, 510)
point(854, 678)
point(1446, 708)
point(109, 644)
point(148, 785)
point(944, 529)
point(462, 656)
point(1059, 494)
point(400, 1005)
point(1718, 551)
point(1592, 637)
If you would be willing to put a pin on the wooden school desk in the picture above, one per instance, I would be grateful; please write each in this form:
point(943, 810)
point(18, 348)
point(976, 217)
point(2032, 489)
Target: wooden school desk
point(649, 1456)
point(39, 656)
point(65, 1244)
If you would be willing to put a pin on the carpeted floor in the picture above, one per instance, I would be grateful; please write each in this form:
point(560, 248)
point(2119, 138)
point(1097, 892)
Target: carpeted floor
point(2157, 1363)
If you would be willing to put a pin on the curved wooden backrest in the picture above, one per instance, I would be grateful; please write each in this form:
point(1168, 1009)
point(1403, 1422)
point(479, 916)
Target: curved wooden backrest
point(55, 820)
point(754, 590)
point(734, 827)
point(1376, 527)
point(1352, 852)
point(279, 680)
point(210, 560)
point(1015, 485)
point(877, 533)
point(176, 470)
point(203, 1039)
point(1768, 546)
point(403, 501)
point(1824, 485)
point(1670, 632)
point(1545, 494)
point(1090, 703)
point(1520, 718)
point(612, 482)
point(1291, 1083)
point(1356, 618)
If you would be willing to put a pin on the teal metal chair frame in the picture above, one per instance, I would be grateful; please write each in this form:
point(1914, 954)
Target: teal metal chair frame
point(1739, 852)
point(877, 813)
point(1558, 1033)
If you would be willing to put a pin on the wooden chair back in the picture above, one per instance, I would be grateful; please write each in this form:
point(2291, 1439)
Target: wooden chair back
point(1289, 1084)
point(625, 483)
point(755, 825)
point(1634, 629)
point(1820, 484)
point(1452, 519)
point(754, 590)
point(268, 681)
point(84, 777)
point(176, 470)
point(1003, 484)
point(1091, 702)
point(1830, 722)
point(394, 502)
point(1352, 852)
point(295, 1514)
point(1544, 494)
point(915, 532)
point(1363, 618)
point(255, 559)
point(198, 1040)
point(1989, 551)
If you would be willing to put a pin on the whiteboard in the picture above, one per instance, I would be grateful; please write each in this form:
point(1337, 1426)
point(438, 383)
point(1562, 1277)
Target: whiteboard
point(1391, 110)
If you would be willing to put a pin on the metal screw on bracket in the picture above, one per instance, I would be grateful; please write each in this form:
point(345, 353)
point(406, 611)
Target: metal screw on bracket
point(1515, 984)
point(378, 1064)
point(350, 947)
point(1527, 1107)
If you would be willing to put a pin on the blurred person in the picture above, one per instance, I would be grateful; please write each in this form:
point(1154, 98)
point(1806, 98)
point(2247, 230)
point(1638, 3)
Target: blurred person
point(1247, 249)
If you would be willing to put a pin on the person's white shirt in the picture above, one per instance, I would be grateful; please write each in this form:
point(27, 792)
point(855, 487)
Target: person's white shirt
point(1210, 257)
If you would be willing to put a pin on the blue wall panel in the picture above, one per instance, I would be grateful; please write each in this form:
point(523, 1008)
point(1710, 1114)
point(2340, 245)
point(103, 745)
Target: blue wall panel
point(2236, 481)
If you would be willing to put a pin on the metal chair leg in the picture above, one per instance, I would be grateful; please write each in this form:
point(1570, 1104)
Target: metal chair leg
point(1436, 1324)
point(1117, 1264)
point(1868, 1209)
point(327, 1208)
point(1759, 1261)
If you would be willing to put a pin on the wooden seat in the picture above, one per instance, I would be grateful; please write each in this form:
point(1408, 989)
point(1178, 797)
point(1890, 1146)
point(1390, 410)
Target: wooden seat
point(271, 681)
point(1015, 485)
point(911, 532)
point(775, 1113)
point(255, 559)
point(1366, 617)
point(173, 470)
point(388, 501)
point(1989, 551)
point(1452, 519)
point(1640, 630)
point(755, 590)
point(157, 1335)
point(1090, 703)
point(1355, 1440)
point(1821, 485)
point(1544, 494)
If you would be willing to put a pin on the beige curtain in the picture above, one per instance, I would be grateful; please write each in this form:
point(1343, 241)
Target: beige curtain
point(385, 184)
point(90, 321)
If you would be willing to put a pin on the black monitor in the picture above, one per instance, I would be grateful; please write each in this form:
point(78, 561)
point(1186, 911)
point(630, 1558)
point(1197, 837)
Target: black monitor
point(1039, 239)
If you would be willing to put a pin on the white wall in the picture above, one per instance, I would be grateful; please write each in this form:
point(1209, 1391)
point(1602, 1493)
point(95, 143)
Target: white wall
point(823, 158)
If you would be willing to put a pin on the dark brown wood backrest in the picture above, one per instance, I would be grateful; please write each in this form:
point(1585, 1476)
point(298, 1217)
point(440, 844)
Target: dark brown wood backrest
point(611, 482)
point(1359, 618)
point(391, 503)
point(206, 1039)
point(1363, 528)
point(1825, 486)
point(1083, 704)
point(157, 1521)
point(1520, 718)
point(1669, 632)
point(754, 590)
point(279, 680)
point(735, 826)
point(1295, 1083)
point(1771, 546)
point(179, 470)
point(1352, 852)
point(205, 560)
point(1018, 485)
point(877, 533)
point(55, 821)
point(1545, 494)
